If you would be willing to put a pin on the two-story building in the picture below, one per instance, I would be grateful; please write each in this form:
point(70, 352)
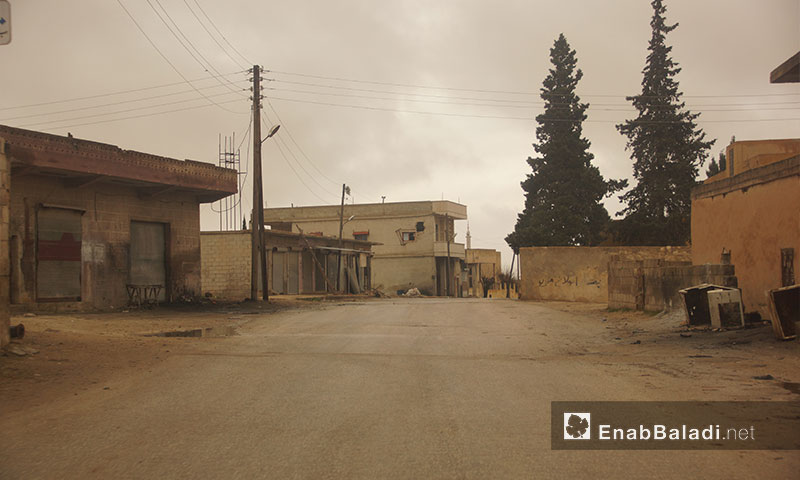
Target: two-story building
point(415, 247)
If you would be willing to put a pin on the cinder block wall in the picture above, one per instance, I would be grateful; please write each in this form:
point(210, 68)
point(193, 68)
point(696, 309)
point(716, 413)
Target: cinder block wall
point(108, 210)
point(225, 264)
point(580, 274)
point(652, 285)
point(5, 196)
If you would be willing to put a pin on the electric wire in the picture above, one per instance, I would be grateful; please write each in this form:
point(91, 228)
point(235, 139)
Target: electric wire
point(621, 108)
point(111, 94)
point(205, 66)
point(145, 107)
point(122, 102)
point(285, 159)
point(168, 61)
point(214, 25)
point(224, 50)
point(510, 92)
point(501, 117)
point(140, 116)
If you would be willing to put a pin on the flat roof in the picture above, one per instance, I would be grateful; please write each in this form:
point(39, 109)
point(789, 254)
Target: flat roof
point(367, 210)
point(82, 162)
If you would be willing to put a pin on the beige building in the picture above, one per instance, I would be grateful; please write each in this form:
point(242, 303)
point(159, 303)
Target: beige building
point(483, 264)
point(411, 237)
point(748, 214)
point(296, 264)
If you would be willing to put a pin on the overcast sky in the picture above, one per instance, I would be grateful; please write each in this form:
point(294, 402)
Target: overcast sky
point(473, 66)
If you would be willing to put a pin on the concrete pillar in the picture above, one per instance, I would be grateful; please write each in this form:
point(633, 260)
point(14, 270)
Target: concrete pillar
point(5, 267)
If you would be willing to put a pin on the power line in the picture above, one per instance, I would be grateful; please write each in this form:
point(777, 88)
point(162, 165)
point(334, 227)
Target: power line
point(247, 62)
point(167, 59)
point(122, 102)
point(207, 64)
point(286, 159)
point(224, 50)
point(111, 94)
point(280, 141)
point(510, 92)
point(139, 116)
point(501, 117)
point(302, 152)
point(527, 105)
point(124, 111)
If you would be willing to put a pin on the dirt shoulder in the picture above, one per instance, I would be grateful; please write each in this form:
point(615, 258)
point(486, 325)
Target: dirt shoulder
point(70, 354)
point(742, 357)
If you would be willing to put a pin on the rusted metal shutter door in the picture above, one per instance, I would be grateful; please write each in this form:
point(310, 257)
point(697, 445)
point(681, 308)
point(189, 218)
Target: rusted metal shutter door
point(58, 254)
point(148, 256)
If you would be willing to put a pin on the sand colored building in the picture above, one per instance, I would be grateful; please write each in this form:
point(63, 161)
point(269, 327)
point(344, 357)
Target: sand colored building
point(483, 265)
point(89, 221)
point(749, 215)
point(411, 239)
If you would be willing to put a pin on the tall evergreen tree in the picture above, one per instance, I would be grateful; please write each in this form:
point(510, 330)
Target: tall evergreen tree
point(667, 147)
point(562, 195)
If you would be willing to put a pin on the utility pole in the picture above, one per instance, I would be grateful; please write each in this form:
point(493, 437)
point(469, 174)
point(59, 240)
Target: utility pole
point(447, 267)
point(341, 227)
point(258, 257)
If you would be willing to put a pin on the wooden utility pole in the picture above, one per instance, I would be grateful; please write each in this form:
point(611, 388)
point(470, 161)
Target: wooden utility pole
point(341, 227)
point(258, 257)
point(447, 267)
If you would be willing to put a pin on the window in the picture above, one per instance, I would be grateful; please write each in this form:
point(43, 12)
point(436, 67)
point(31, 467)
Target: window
point(361, 235)
point(409, 236)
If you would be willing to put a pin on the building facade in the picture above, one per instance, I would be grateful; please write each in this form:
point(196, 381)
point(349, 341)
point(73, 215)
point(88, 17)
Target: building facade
point(749, 215)
point(296, 264)
point(90, 223)
point(483, 270)
point(411, 240)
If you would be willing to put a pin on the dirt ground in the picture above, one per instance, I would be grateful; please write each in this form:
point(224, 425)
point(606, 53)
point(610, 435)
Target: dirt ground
point(75, 352)
point(81, 351)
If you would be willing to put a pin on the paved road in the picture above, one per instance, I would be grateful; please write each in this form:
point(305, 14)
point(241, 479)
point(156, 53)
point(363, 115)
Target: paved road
point(413, 389)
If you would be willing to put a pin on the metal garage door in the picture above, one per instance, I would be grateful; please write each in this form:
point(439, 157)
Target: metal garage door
point(58, 254)
point(278, 262)
point(148, 255)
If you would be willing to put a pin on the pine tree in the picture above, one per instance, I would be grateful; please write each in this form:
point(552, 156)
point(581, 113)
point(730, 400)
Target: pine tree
point(667, 147)
point(715, 167)
point(562, 195)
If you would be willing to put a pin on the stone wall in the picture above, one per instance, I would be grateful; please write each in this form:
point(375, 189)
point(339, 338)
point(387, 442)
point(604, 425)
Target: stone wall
point(5, 194)
point(580, 274)
point(652, 285)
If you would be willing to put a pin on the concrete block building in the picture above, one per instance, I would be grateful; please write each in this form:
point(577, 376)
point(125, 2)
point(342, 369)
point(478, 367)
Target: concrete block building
point(411, 239)
point(295, 264)
point(88, 220)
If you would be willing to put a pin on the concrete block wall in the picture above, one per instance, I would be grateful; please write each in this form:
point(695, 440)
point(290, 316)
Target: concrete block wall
point(225, 264)
point(5, 197)
point(580, 274)
point(108, 210)
point(652, 285)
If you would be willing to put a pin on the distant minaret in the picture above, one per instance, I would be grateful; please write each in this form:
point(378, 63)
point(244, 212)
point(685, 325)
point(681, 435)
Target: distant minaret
point(469, 238)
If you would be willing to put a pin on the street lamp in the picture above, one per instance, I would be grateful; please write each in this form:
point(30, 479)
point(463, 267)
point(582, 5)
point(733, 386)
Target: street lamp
point(258, 258)
point(272, 132)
